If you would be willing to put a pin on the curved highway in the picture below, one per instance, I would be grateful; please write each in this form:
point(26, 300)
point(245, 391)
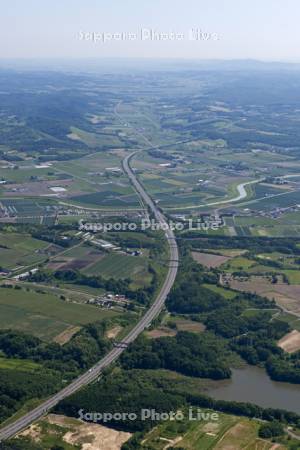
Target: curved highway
point(93, 373)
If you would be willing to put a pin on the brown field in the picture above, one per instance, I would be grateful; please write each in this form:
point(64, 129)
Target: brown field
point(59, 262)
point(233, 439)
point(290, 343)
point(161, 332)
point(291, 305)
point(73, 263)
point(66, 335)
point(244, 436)
point(230, 252)
point(209, 260)
point(189, 325)
point(181, 325)
point(287, 296)
point(284, 187)
point(113, 332)
point(88, 436)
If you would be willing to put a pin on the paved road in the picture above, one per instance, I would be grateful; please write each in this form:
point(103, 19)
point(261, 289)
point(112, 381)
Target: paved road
point(152, 312)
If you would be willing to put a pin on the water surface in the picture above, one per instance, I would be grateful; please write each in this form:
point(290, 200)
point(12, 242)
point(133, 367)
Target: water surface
point(252, 384)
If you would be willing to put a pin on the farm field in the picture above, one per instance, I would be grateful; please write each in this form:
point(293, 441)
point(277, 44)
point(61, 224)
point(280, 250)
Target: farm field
point(79, 292)
point(277, 231)
point(183, 324)
point(161, 331)
point(107, 199)
point(141, 238)
point(116, 265)
point(281, 200)
point(261, 226)
point(264, 190)
point(17, 250)
point(73, 434)
point(94, 140)
point(92, 166)
point(228, 252)
point(228, 432)
point(254, 221)
point(100, 178)
point(33, 207)
point(77, 258)
point(44, 315)
point(275, 262)
point(50, 188)
point(292, 320)
point(287, 296)
point(72, 293)
point(290, 343)
point(18, 364)
point(226, 293)
point(282, 258)
point(31, 173)
point(291, 218)
point(262, 262)
point(238, 263)
point(209, 260)
point(179, 178)
point(293, 276)
point(93, 180)
point(172, 325)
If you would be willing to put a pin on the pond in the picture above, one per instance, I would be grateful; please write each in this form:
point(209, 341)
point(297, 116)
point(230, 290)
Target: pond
point(252, 384)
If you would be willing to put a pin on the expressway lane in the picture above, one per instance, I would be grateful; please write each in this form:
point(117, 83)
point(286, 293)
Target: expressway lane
point(93, 373)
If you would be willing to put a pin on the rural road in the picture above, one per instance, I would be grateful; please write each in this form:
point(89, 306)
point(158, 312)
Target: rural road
point(93, 373)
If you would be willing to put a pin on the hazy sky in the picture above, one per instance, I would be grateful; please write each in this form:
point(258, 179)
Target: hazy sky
point(261, 29)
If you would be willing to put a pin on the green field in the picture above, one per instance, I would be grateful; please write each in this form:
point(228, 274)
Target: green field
point(23, 175)
point(43, 315)
point(115, 265)
point(227, 432)
point(18, 364)
point(226, 293)
point(73, 293)
point(94, 162)
point(293, 276)
point(284, 226)
point(227, 251)
point(282, 200)
point(293, 321)
point(24, 207)
point(238, 263)
point(20, 250)
point(93, 139)
point(253, 221)
point(287, 265)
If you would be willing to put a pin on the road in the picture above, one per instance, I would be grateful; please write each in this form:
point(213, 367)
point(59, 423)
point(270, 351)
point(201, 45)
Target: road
point(291, 433)
point(93, 373)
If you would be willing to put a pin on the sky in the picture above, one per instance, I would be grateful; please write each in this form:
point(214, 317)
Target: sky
point(223, 29)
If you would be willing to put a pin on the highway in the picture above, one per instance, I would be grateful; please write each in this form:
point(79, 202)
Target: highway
point(93, 373)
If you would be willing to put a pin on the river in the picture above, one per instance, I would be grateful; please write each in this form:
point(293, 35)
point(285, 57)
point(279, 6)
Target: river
point(252, 384)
